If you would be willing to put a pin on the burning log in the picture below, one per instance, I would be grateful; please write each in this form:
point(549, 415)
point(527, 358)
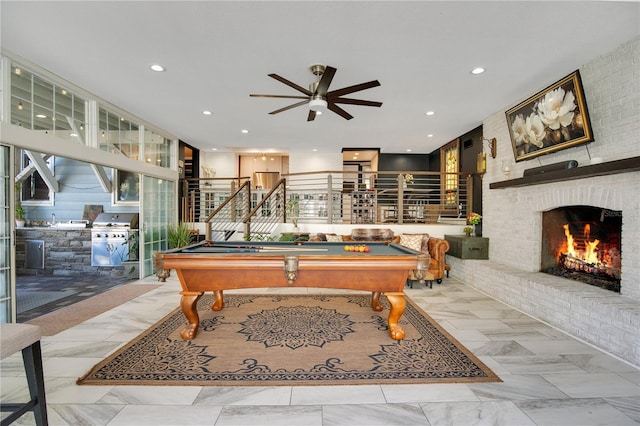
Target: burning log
point(598, 268)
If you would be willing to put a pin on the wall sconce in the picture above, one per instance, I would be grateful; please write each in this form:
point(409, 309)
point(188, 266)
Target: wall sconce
point(481, 163)
point(493, 146)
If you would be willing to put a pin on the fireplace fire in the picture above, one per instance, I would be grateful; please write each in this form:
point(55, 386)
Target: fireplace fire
point(583, 243)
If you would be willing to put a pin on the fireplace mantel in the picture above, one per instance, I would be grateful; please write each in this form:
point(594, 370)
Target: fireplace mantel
point(626, 165)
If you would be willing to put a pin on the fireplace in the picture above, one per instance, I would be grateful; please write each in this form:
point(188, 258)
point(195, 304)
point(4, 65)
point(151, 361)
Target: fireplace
point(583, 243)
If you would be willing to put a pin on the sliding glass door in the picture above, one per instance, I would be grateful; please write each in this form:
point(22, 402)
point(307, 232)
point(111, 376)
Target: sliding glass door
point(7, 255)
point(158, 206)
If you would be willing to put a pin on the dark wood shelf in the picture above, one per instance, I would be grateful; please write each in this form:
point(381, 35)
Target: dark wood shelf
point(609, 168)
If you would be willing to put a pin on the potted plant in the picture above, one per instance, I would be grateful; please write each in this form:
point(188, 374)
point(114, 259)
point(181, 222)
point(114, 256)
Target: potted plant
point(179, 236)
point(18, 207)
point(474, 220)
point(467, 231)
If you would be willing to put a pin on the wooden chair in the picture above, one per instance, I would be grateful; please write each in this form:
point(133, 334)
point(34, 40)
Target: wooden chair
point(25, 338)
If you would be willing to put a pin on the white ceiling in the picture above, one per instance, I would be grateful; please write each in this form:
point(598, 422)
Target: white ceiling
point(216, 53)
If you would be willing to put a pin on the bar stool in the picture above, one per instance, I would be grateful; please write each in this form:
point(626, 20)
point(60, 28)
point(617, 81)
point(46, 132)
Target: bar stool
point(25, 338)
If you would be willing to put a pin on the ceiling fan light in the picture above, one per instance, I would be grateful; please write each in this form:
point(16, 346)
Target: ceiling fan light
point(317, 105)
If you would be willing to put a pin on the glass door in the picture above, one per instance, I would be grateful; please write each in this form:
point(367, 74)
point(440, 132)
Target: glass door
point(159, 209)
point(7, 255)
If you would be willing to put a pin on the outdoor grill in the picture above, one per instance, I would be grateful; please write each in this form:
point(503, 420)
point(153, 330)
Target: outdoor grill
point(110, 238)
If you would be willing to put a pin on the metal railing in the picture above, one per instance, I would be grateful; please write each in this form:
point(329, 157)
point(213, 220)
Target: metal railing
point(261, 222)
point(219, 203)
point(401, 197)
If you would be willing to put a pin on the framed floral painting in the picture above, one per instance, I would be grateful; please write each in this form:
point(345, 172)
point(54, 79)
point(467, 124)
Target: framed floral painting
point(553, 119)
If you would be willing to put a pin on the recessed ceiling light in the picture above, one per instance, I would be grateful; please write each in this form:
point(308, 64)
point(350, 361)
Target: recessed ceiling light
point(41, 116)
point(408, 150)
point(429, 113)
point(157, 68)
point(206, 112)
point(430, 135)
point(477, 70)
point(315, 149)
point(214, 149)
point(245, 131)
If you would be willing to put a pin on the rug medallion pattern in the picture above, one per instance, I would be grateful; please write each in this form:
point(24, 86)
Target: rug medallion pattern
point(292, 340)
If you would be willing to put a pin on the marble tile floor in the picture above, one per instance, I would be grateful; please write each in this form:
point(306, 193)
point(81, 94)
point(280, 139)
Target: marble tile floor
point(40, 294)
point(548, 377)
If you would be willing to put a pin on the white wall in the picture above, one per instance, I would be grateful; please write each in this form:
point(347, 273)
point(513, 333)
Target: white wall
point(224, 163)
point(313, 162)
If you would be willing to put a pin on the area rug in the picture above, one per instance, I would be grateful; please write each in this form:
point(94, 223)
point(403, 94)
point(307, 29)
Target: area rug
point(293, 340)
point(64, 318)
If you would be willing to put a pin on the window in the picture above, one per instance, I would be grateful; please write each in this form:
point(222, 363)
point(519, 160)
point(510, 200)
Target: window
point(118, 135)
point(126, 187)
point(449, 168)
point(34, 189)
point(38, 104)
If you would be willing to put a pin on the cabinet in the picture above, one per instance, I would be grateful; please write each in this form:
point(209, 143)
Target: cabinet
point(363, 207)
point(464, 247)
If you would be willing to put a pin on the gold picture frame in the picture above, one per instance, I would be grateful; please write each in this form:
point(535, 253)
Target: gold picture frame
point(553, 119)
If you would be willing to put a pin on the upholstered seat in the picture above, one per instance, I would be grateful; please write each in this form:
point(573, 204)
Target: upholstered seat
point(25, 338)
point(436, 248)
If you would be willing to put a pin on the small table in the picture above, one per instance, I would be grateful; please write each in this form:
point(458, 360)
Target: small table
point(218, 266)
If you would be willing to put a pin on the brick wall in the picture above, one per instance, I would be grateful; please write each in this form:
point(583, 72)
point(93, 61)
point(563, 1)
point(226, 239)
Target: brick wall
point(513, 216)
point(66, 253)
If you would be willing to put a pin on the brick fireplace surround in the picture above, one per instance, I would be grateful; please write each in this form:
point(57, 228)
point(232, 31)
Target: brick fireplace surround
point(513, 216)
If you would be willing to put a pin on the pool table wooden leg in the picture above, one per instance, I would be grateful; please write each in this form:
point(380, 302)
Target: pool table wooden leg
point(375, 301)
point(189, 303)
point(218, 303)
point(397, 302)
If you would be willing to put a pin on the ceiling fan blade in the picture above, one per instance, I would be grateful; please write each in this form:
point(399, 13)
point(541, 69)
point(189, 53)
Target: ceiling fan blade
point(297, 104)
point(356, 102)
point(312, 115)
point(278, 96)
point(325, 80)
point(335, 108)
point(354, 88)
point(290, 84)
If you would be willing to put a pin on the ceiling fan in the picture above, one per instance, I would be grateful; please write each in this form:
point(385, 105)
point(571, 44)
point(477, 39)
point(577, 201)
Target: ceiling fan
point(318, 97)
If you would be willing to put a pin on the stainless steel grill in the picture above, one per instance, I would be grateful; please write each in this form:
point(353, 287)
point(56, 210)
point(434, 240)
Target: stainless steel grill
point(110, 238)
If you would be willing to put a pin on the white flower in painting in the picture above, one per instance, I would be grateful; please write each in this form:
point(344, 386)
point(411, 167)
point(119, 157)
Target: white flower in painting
point(518, 130)
point(534, 130)
point(556, 108)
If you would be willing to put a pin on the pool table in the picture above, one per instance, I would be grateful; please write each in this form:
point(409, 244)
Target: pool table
point(218, 266)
